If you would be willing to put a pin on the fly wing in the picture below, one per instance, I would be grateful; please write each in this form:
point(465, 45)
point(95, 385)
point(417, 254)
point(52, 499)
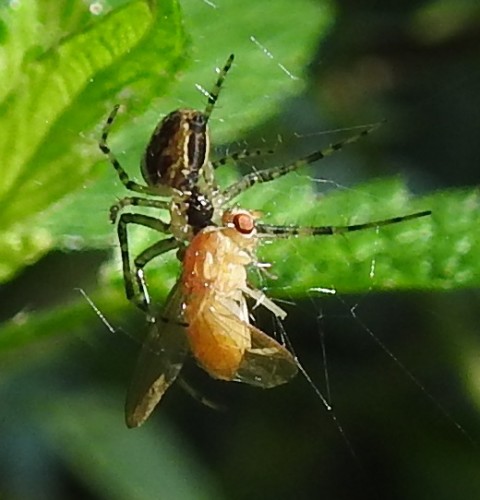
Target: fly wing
point(266, 363)
point(159, 362)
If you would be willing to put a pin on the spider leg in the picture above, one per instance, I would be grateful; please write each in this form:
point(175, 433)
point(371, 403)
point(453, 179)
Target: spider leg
point(273, 173)
point(150, 253)
point(268, 230)
point(240, 155)
point(210, 167)
point(215, 92)
point(122, 175)
point(139, 295)
point(136, 201)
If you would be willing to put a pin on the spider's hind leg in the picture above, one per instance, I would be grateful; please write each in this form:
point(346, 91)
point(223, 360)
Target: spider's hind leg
point(135, 285)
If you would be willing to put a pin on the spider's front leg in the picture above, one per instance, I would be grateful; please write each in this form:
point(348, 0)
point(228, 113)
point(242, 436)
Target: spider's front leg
point(122, 174)
point(272, 173)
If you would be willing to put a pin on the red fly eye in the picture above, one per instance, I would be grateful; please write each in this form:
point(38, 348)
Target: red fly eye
point(243, 223)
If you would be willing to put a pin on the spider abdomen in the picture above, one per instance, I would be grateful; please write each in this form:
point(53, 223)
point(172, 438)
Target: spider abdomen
point(177, 150)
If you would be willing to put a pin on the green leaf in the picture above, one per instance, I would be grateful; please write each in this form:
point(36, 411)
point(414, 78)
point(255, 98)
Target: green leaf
point(272, 44)
point(59, 87)
point(67, 67)
point(63, 69)
point(128, 55)
point(436, 252)
point(417, 254)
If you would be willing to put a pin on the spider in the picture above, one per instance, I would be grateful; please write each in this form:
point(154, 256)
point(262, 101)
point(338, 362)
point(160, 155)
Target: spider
point(176, 167)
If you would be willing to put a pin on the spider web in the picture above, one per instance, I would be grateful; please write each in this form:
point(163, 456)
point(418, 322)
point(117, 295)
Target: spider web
point(333, 310)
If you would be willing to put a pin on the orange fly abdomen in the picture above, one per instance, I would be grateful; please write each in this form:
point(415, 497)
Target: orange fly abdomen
point(218, 345)
point(213, 278)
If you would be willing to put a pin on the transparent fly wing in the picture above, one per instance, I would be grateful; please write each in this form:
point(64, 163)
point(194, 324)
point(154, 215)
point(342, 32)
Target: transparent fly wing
point(159, 362)
point(266, 363)
point(217, 335)
point(229, 348)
